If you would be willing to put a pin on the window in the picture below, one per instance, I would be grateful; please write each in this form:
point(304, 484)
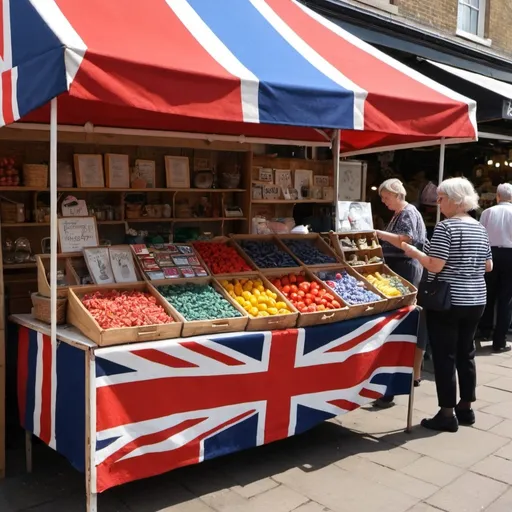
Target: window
point(471, 18)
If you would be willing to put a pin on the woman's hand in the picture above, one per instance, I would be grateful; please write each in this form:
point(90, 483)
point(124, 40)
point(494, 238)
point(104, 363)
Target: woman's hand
point(381, 234)
point(409, 250)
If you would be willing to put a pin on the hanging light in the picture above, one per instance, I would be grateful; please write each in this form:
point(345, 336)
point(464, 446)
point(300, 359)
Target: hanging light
point(497, 164)
point(374, 188)
point(506, 163)
point(490, 161)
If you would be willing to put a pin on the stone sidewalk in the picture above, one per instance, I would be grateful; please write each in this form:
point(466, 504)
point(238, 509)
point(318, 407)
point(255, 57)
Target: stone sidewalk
point(358, 463)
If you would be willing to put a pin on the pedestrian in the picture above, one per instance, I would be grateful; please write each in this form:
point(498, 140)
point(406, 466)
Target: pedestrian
point(406, 225)
point(498, 222)
point(458, 254)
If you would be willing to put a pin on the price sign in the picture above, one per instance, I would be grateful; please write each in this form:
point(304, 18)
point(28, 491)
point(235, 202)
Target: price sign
point(321, 181)
point(266, 175)
point(75, 233)
point(271, 192)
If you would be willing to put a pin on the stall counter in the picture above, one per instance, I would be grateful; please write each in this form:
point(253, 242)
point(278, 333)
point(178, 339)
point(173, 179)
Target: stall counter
point(128, 412)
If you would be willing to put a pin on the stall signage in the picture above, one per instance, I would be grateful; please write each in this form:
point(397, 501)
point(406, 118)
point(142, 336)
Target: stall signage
point(506, 112)
point(75, 233)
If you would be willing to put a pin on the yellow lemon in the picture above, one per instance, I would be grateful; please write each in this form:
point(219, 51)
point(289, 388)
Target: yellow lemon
point(254, 311)
point(264, 313)
point(280, 305)
point(272, 311)
point(254, 300)
point(247, 306)
point(261, 288)
point(284, 311)
point(224, 283)
point(247, 295)
point(238, 289)
point(271, 301)
point(256, 292)
point(232, 294)
point(262, 299)
point(262, 307)
point(240, 300)
point(230, 287)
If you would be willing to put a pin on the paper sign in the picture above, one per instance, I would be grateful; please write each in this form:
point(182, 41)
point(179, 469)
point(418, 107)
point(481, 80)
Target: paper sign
point(271, 192)
point(73, 207)
point(123, 267)
point(265, 175)
point(98, 263)
point(283, 178)
point(75, 233)
point(321, 181)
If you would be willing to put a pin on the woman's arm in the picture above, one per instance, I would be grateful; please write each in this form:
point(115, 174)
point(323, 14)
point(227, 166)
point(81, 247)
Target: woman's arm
point(488, 266)
point(434, 265)
point(394, 239)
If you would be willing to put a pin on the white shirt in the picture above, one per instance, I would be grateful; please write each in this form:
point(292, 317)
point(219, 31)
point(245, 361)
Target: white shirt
point(498, 222)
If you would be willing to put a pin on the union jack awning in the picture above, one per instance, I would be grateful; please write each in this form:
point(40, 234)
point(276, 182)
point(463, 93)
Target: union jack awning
point(259, 68)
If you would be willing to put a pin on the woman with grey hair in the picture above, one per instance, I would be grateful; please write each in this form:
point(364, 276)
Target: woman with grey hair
point(458, 254)
point(406, 225)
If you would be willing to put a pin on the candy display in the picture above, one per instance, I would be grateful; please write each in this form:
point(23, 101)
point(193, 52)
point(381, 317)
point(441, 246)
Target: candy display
point(255, 298)
point(360, 244)
point(348, 287)
point(391, 286)
point(360, 261)
point(308, 253)
point(198, 302)
point(114, 309)
point(220, 258)
point(308, 296)
point(267, 254)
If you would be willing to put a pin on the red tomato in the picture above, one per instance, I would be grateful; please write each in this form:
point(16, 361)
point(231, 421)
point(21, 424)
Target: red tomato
point(312, 308)
point(308, 302)
point(294, 296)
point(300, 279)
point(308, 296)
point(324, 302)
point(318, 300)
point(321, 292)
point(294, 288)
point(300, 304)
point(313, 291)
point(336, 304)
point(286, 289)
point(293, 278)
point(329, 297)
point(321, 307)
point(314, 285)
point(304, 286)
point(278, 283)
point(301, 293)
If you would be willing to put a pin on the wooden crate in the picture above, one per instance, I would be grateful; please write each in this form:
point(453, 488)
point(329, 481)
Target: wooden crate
point(395, 302)
point(345, 253)
point(269, 323)
point(357, 310)
point(316, 240)
point(230, 243)
point(83, 321)
point(213, 326)
point(318, 317)
point(262, 238)
point(63, 263)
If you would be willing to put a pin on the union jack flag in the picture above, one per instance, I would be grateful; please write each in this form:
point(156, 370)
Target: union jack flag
point(168, 404)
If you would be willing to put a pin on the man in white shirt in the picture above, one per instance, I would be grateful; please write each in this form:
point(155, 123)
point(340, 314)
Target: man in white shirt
point(498, 222)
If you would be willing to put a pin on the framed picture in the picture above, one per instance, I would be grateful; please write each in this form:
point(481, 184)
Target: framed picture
point(89, 171)
point(117, 171)
point(123, 266)
point(303, 178)
point(76, 233)
point(97, 260)
point(354, 216)
point(283, 178)
point(143, 174)
point(177, 171)
point(266, 175)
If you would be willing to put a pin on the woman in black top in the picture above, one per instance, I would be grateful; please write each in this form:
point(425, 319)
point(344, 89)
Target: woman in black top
point(459, 253)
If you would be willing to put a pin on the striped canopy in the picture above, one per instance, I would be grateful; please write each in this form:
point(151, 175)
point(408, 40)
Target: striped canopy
point(259, 68)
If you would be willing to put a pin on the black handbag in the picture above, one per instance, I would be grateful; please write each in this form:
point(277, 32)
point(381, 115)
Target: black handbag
point(435, 295)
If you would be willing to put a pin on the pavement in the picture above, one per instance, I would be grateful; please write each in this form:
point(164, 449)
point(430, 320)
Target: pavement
point(359, 462)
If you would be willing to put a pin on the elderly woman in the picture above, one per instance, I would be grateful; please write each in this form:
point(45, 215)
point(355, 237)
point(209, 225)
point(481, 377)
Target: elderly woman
point(459, 254)
point(407, 225)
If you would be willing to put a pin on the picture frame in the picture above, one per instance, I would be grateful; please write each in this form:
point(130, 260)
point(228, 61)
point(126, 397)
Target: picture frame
point(265, 175)
point(283, 178)
point(177, 171)
point(143, 174)
point(89, 171)
point(122, 263)
point(303, 178)
point(98, 263)
point(76, 233)
point(271, 192)
point(117, 170)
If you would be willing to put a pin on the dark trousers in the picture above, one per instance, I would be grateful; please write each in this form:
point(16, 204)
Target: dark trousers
point(499, 297)
point(452, 334)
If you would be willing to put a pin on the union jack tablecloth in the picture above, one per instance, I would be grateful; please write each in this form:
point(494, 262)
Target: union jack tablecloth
point(166, 404)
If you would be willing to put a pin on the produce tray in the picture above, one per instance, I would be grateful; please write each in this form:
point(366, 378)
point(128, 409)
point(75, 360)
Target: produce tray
point(230, 243)
point(345, 253)
point(317, 242)
point(63, 263)
point(395, 302)
point(80, 317)
point(317, 317)
point(357, 310)
point(268, 323)
point(214, 326)
point(238, 239)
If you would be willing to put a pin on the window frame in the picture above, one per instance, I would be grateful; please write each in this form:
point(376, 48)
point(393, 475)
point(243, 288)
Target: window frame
point(482, 12)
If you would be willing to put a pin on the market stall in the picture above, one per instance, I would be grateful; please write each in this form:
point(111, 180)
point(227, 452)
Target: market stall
point(219, 92)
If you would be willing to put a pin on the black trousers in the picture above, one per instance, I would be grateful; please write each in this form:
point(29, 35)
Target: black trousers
point(499, 297)
point(452, 334)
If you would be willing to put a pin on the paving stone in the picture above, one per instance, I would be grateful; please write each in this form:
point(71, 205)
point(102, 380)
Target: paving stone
point(106, 503)
point(342, 491)
point(469, 493)
point(393, 457)
point(492, 368)
point(505, 452)
point(254, 488)
point(279, 499)
point(388, 477)
point(312, 507)
point(492, 395)
point(423, 507)
point(503, 383)
point(225, 501)
point(503, 429)
point(486, 421)
point(495, 467)
point(502, 409)
point(486, 378)
point(463, 449)
point(433, 471)
point(502, 504)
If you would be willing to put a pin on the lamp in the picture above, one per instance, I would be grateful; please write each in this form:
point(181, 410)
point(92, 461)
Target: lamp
point(490, 161)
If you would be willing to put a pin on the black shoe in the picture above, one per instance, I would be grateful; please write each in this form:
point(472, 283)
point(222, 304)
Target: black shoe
point(500, 350)
point(417, 383)
point(441, 423)
point(465, 416)
point(384, 402)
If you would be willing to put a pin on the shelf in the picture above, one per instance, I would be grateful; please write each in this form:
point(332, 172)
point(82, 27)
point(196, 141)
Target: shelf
point(134, 190)
point(291, 201)
point(38, 224)
point(13, 266)
point(188, 219)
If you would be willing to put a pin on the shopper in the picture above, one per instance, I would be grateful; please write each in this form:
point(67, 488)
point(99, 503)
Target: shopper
point(498, 222)
point(458, 254)
point(407, 225)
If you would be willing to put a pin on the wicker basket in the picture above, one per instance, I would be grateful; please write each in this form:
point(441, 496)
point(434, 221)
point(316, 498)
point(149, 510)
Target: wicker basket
point(42, 308)
point(35, 175)
point(12, 212)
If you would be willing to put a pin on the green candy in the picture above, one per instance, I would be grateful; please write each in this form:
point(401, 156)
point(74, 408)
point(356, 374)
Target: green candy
point(198, 302)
